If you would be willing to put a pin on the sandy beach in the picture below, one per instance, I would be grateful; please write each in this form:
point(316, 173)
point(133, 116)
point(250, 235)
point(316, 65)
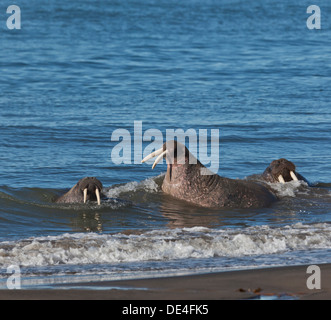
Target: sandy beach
point(267, 283)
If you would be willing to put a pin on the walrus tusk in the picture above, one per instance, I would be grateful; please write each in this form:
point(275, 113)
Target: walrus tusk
point(97, 193)
point(157, 160)
point(85, 195)
point(281, 179)
point(152, 155)
point(294, 177)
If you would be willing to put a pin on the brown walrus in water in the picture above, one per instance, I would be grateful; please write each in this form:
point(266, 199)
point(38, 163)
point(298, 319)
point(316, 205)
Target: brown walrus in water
point(88, 188)
point(188, 179)
point(282, 171)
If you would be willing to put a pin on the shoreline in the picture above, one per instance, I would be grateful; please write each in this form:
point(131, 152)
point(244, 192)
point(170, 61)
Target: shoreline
point(289, 282)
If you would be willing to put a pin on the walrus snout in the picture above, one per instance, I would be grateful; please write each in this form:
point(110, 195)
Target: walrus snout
point(282, 170)
point(91, 187)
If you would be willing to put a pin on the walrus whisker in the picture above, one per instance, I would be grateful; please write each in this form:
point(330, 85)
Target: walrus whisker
point(281, 179)
point(294, 177)
point(85, 195)
point(97, 193)
point(157, 160)
point(152, 155)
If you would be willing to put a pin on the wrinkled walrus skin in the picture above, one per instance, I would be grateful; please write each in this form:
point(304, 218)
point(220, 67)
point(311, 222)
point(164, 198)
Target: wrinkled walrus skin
point(88, 188)
point(282, 171)
point(184, 180)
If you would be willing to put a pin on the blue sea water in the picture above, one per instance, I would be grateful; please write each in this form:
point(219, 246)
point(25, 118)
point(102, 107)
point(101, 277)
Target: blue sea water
point(78, 70)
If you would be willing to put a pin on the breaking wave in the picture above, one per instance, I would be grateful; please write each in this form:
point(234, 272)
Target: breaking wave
point(163, 245)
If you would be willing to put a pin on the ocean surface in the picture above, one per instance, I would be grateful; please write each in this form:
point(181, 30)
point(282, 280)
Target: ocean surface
point(77, 71)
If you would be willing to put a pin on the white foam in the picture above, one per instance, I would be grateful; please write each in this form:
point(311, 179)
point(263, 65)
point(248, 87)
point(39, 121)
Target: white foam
point(163, 245)
point(148, 185)
point(289, 189)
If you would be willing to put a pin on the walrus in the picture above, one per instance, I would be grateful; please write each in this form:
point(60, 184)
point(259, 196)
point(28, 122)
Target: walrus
point(88, 188)
point(188, 179)
point(282, 170)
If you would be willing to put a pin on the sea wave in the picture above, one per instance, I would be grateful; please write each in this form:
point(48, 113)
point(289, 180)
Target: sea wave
point(163, 245)
point(149, 185)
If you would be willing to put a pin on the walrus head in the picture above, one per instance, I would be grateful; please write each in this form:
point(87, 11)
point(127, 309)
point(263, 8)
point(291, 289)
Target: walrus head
point(176, 154)
point(182, 166)
point(281, 170)
point(90, 188)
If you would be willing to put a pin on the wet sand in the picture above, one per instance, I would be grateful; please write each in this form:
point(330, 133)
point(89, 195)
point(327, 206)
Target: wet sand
point(276, 282)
